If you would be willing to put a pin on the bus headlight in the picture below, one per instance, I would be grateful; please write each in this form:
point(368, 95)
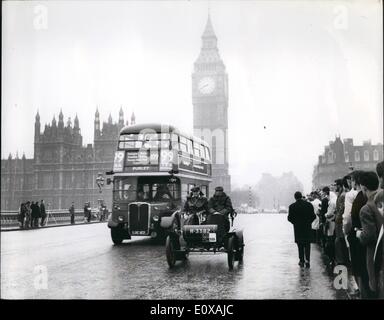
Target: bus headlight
point(156, 218)
point(120, 218)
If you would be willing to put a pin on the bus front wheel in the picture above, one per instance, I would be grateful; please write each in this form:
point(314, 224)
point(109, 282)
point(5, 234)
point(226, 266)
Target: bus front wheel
point(116, 236)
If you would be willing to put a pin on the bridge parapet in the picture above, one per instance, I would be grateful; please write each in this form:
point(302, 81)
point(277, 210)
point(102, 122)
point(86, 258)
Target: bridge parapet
point(10, 219)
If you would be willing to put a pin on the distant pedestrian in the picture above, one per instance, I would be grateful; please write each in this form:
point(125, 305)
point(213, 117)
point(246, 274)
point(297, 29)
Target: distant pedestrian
point(323, 220)
point(104, 212)
point(301, 215)
point(21, 217)
point(72, 212)
point(43, 213)
point(87, 212)
point(35, 214)
point(316, 203)
point(28, 215)
point(341, 250)
point(330, 216)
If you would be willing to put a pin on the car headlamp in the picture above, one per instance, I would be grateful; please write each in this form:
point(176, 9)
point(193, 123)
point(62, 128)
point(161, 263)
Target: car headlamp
point(120, 218)
point(156, 217)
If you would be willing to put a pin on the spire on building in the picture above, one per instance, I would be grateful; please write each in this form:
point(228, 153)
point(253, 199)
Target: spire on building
point(121, 116)
point(61, 119)
point(133, 119)
point(69, 122)
point(209, 51)
point(37, 126)
point(54, 122)
point(110, 119)
point(76, 124)
point(209, 32)
point(10, 156)
point(97, 123)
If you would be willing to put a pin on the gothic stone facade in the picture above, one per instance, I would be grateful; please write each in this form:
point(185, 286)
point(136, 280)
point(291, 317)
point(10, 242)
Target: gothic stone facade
point(210, 105)
point(340, 157)
point(62, 170)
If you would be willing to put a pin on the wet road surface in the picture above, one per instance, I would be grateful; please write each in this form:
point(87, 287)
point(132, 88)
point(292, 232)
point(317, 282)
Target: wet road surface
point(82, 263)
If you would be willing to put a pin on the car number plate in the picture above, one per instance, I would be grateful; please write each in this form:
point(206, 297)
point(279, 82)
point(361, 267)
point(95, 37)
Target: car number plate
point(212, 237)
point(140, 233)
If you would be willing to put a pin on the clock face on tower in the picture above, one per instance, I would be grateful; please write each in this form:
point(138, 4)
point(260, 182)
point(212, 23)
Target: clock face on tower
point(206, 85)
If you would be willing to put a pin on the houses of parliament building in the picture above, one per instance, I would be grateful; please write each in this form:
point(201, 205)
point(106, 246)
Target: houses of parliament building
point(62, 170)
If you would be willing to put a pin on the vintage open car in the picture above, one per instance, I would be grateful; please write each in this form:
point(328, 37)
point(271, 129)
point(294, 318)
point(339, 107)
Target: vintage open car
point(202, 234)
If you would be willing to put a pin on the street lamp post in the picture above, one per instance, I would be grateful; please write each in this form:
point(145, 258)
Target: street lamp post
point(100, 183)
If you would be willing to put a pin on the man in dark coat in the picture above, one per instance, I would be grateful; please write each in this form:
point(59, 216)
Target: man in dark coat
point(43, 213)
point(301, 215)
point(357, 250)
point(72, 212)
point(195, 206)
point(35, 214)
point(87, 212)
point(323, 220)
point(379, 250)
point(370, 227)
point(341, 250)
point(221, 204)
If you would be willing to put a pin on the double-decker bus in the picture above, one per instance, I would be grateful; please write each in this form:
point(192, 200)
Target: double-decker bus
point(155, 167)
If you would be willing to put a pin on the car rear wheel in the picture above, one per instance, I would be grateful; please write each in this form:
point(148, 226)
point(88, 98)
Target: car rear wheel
point(116, 236)
point(231, 252)
point(170, 252)
point(240, 254)
point(240, 248)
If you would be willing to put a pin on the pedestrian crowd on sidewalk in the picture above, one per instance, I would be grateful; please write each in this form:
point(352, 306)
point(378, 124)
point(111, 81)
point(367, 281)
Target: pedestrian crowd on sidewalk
point(32, 214)
point(348, 226)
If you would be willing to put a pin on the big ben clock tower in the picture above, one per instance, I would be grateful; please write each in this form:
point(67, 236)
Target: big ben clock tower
point(210, 105)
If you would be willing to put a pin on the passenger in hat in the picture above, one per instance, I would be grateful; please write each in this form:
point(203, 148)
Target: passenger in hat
point(220, 203)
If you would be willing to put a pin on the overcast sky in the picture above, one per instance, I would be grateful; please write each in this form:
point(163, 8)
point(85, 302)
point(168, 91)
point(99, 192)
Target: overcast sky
point(306, 70)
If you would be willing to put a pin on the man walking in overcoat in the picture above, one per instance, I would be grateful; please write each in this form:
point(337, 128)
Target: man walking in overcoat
point(301, 215)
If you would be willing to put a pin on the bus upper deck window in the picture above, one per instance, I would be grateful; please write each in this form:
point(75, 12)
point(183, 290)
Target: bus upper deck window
point(150, 136)
point(175, 141)
point(151, 144)
point(190, 148)
point(165, 136)
point(202, 151)
point(207, 154)
point(165, 144)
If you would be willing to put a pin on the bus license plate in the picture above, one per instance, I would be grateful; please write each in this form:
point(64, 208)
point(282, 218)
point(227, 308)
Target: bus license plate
point(138, 233)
